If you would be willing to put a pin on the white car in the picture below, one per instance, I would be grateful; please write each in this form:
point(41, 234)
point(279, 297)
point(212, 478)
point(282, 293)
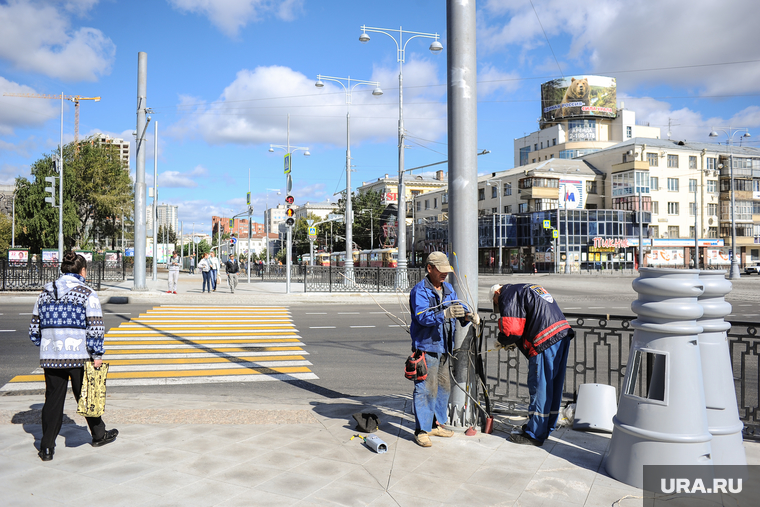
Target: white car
point(753, 267)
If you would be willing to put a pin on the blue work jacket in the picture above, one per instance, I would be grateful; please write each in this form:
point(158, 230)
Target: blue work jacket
point(430, 330)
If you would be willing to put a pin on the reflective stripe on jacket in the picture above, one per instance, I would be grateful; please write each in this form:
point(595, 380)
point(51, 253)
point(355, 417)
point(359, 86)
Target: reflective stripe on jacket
point(530, 318)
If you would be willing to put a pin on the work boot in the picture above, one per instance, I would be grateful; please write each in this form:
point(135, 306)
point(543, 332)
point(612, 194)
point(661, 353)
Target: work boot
point(524, 439)
point(440, 431)
point(423, 440)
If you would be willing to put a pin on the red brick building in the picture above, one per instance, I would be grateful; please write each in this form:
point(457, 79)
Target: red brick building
point(239, 227)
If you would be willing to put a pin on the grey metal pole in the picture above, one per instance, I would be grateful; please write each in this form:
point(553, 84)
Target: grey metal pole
point(371, 232)
point(182, 244)
point(567, 240)
point(349, 264)
point(289, 237)
point(401, 198)
point(501, 210)
point(696, 229)
point(266, 229)
point(463, 201)
point(250, 226)
point(155, 201)
point(734, 274)
point(142, 84)
point(641, 234)
point(60, 194)
point(13, 223)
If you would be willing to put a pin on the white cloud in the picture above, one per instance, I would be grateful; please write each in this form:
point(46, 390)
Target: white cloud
point(253, 109)
point(23, 112)
point(230, 16)
point(616, 35)
point(8, 173)
point(492, 80)
point(176, 179)
point(37, 36)
point(686, 124)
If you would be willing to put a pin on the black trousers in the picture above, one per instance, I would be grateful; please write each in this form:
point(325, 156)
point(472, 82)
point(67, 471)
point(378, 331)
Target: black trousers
point(56, 383)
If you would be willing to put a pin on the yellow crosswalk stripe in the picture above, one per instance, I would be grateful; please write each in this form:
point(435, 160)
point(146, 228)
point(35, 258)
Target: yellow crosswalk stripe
point(192, 345)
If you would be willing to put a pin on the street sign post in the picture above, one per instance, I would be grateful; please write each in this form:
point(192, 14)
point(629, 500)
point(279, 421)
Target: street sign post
point(312, 232)
point(287, 163)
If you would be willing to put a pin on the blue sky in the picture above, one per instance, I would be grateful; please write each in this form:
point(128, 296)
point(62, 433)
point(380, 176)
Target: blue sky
point(224, 74)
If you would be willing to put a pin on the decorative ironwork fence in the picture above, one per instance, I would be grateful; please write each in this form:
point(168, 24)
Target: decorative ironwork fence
point(599, 353)
point(34, 276)
point(337, 279)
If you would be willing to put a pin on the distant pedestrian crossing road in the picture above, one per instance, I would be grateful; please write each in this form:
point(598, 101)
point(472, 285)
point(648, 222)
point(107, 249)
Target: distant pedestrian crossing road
point(199, 345)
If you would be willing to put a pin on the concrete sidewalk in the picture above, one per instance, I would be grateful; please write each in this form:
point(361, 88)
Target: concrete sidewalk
point(198, 450)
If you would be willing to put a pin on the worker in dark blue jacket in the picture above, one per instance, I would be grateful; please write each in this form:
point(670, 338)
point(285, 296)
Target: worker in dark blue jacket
point(435, 307)
point(531, 320)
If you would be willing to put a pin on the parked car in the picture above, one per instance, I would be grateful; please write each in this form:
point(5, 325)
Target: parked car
point(753, 267)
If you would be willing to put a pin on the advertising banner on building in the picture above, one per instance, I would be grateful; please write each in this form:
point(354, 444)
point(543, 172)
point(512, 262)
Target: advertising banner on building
point(578, 97)
point(571, 194)
point(661, 257)
point(718, 256)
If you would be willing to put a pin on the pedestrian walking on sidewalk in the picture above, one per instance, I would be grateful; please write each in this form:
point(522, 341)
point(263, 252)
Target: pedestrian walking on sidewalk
point(205, 266)
point(67, 325)
point(232, 268)
point(173, 273)
point(531, 320)
point(192, 264)
point(435, 307)
point(214, 260)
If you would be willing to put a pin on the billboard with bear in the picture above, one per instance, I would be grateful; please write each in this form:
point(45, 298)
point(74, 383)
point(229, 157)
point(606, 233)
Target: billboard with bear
point(578, 97)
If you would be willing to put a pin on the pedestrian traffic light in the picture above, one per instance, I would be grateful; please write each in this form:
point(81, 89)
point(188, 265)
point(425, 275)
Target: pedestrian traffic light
point(290, 212)
point(51, 189)
point(289, 222)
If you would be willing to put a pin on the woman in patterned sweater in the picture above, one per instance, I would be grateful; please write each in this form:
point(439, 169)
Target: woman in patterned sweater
point(67, 325)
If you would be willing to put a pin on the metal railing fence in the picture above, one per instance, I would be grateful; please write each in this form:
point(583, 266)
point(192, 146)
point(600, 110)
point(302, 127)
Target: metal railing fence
point(599, 354)
point(34, 275)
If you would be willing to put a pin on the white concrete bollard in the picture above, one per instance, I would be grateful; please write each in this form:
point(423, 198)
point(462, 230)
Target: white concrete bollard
point(668, 424)
point(720, 393)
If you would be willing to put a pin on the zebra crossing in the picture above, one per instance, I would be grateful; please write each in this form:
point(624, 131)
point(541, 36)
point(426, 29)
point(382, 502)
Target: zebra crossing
point(199, 345)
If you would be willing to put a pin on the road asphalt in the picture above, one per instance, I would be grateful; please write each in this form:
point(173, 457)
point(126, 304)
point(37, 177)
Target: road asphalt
point(189, 449)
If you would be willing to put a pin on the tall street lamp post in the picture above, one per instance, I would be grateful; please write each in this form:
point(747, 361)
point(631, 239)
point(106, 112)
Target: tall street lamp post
point(348, 88)
point(501, 191)
point(288, 185)
point(435, 47)
point(730, 132)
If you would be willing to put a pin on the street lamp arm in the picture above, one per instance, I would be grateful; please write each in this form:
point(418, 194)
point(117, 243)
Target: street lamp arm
point(484, 152)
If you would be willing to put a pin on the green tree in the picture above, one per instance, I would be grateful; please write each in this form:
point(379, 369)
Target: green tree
point(171, 236)
point(203, 247)
point(361, 225)
point(97, 191)
point(5, 235)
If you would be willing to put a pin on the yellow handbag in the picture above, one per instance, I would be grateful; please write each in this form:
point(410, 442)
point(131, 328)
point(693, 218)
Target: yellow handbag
point(92, 401)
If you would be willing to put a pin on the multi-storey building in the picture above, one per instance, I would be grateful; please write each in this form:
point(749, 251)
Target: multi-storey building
point(239, 227)
point(167, 216)
point(320, 209)
point(121, 145)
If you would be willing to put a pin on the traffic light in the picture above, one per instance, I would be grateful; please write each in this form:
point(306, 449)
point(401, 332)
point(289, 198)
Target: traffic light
point(290, 212)
point(51, 189)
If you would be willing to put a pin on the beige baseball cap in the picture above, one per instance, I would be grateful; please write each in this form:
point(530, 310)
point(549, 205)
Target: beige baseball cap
point(440, 261)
